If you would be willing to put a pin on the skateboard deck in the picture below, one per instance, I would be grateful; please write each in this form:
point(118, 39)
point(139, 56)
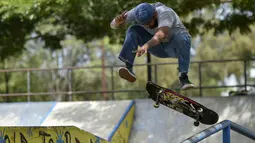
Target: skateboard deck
point(182, 104)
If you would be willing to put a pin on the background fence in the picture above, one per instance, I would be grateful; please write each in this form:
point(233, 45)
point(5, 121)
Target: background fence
point(66, 76)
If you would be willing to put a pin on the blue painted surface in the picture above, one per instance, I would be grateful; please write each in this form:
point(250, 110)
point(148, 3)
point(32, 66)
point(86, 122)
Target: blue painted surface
point(120, 121)
point(226, 134)
point(53, 106)
point(226, 126)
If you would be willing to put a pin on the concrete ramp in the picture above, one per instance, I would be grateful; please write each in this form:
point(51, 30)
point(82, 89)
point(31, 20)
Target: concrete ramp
point(163, 125)
point(92, 121)
point(98, 118)
point(117, 121)
point(24, 114)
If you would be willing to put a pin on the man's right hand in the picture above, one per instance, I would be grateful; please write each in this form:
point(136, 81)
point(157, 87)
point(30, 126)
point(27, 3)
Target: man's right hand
point(120, 19)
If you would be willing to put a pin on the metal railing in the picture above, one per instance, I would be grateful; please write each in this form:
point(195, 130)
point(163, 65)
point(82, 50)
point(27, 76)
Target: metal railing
point(200, 63)
point(69, 70)
point(225, 125)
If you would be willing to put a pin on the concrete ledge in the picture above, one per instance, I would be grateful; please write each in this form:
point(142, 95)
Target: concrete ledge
point(122, 130)
point(89, 121)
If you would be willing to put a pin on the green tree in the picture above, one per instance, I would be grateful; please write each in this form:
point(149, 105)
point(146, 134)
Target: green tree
point(20, 19)
point(63, 33)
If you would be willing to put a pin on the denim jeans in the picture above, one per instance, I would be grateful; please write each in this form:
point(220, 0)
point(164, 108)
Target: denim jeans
point(178, 46)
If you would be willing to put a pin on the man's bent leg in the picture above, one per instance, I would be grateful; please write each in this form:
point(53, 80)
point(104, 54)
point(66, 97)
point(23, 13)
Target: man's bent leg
point(183, 52)
point(180, 45)
point(135, 36)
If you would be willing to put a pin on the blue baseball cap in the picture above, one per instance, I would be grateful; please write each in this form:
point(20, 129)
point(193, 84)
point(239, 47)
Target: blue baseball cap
point(144, 13)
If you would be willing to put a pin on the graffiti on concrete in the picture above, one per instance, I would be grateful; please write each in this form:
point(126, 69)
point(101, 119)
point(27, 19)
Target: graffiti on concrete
point(96, 141)
point(29, 132)
point(42, 136)
point(59, 139)
point(4, 138)
point(22, 138)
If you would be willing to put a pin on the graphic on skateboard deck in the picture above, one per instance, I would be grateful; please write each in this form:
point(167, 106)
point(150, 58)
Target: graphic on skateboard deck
point(181, 104)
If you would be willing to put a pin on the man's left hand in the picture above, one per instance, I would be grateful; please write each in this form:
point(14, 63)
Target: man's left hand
point(142, 50)
point(158, 37)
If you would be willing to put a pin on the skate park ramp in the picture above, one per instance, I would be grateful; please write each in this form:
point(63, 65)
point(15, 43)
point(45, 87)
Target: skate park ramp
point(91, 122)
point(163, 125)
point(123, 121)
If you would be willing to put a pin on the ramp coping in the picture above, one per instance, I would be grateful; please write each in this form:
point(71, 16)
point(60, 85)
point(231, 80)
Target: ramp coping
point(53, 106)
point(109, 138)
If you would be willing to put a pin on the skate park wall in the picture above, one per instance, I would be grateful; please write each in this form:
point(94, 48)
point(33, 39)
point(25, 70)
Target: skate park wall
point(87, 122)
point(123, 121)
point(37, 134)
point(122, 130)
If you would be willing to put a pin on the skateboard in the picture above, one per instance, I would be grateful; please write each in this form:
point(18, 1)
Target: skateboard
point(182, 104)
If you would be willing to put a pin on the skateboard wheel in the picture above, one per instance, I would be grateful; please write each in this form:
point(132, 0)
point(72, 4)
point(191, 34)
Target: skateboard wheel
point(200, 110)
point(160, 91)
point(196, 123)
point(156, 105)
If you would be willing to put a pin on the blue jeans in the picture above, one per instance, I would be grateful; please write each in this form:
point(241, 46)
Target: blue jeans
point(176, 47)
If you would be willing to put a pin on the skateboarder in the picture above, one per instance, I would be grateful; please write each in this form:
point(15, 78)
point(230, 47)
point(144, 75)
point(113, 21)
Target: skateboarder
point(158, 30)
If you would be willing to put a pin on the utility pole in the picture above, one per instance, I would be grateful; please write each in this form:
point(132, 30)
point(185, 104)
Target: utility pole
point(103, 70)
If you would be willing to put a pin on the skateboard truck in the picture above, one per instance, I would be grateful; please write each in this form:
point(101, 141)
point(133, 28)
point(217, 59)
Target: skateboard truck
point(156, 105)
point(199, 111)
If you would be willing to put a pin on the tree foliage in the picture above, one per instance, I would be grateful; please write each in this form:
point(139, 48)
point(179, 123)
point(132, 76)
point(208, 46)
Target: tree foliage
point(88, 20)
point(67, 33)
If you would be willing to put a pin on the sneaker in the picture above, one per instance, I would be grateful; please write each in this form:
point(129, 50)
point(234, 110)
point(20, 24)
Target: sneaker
point(127, 73)
point(184, 81)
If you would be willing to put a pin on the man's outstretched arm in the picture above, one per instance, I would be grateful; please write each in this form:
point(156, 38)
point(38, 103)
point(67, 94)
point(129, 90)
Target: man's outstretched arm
point(119, 20)
point(122, 19)
point(158, 37)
